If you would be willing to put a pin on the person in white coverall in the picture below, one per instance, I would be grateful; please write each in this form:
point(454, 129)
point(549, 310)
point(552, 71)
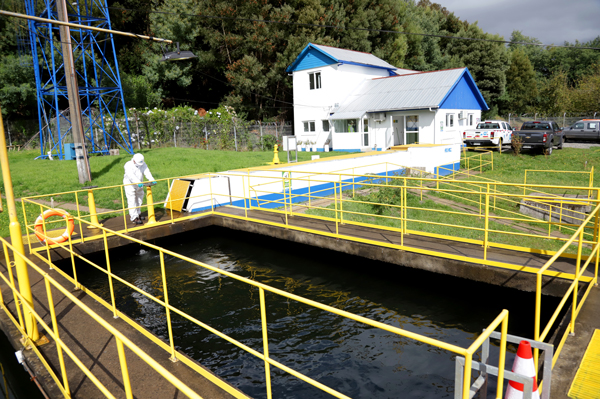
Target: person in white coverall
point(135, 170)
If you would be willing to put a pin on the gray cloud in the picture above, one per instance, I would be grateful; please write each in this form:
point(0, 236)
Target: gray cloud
point(550, 21)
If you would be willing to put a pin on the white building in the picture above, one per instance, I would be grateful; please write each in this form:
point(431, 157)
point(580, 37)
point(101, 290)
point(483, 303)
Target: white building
point(354, 101)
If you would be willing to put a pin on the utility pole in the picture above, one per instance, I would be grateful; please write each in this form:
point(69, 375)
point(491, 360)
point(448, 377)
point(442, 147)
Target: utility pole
point(83, 164)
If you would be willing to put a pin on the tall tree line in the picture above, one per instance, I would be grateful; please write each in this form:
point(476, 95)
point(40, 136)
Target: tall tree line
point(244, 46)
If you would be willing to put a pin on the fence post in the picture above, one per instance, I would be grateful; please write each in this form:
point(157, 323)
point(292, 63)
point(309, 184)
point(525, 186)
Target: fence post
point(261, 140)
point(487, 221)
point(234, 134)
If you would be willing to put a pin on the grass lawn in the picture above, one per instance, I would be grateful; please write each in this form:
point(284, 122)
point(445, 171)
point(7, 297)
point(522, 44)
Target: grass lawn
point(35, 177)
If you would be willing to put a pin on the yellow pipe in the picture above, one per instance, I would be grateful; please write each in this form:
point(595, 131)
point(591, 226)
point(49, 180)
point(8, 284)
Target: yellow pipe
point(263, 318)
point(150, 203)
point(110, 283)
point(166, 294)
point(16, 236)
point(61, 360)
point(124, 369)
point(95, 223)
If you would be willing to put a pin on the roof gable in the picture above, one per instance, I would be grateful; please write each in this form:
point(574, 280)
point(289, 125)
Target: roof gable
point(464, 95)
point(315, 55)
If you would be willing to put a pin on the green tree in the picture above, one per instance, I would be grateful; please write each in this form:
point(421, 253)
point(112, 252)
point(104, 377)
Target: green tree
point(585, 97)
point(17, 87)
point(487, 61)
point(555, 94)
point(521, 86)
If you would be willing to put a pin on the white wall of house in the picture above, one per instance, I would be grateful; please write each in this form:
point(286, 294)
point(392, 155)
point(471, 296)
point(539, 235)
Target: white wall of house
point(337, 82)
point(438, 126)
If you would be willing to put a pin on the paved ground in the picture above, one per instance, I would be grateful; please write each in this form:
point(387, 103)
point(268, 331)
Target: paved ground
point(581, 144)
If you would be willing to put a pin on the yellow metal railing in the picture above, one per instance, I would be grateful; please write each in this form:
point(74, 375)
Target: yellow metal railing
point(340, 207)
point(26, 311)
point(169, 346)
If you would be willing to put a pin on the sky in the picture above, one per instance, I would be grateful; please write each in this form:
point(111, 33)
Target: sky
point(550, 21)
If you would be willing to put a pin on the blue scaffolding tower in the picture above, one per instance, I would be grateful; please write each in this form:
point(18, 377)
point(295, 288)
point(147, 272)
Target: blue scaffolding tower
point(100, 89)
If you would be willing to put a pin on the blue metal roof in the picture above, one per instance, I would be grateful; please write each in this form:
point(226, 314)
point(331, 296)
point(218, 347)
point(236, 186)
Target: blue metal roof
point(315, 55)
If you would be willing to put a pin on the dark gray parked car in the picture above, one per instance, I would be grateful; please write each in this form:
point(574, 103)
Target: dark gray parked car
point(585, 129)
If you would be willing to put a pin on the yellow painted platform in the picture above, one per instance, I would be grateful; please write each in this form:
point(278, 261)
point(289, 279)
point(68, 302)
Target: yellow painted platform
point(586, 384)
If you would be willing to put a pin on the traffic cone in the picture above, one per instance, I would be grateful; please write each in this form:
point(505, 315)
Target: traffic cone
point(523, 365)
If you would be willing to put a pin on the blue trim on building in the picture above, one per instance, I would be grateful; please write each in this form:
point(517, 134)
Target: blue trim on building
point(323, 190)
point(347, 150)
point(464, 94)
point(367, 66)
point(311, 57)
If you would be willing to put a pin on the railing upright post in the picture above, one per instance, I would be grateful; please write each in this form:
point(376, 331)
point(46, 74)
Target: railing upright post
point(341, 201)
point(150, 204)
point(403, 211)
point(110, 283)
point(124, 213)
point(353, 176)
point(263, 318)
point(309, 195)
point(212, 207)
point(577, 268)
point(487, 221)
point(173, 357)
point(95, 223)
point(124, 369)
point(26, 228)
point(492, 154)
point(73, 263)
point(244, 194)
point(61, 360)
point(502, 359)
point(467, 376)
point(13, 285)
point(336, 207)
point(537, 316)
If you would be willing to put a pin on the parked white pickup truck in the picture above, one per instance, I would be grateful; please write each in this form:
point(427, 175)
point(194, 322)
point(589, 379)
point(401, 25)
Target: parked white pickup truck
point(489, 133)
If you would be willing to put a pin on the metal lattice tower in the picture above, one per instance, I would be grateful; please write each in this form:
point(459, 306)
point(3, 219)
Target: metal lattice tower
point(100, 89)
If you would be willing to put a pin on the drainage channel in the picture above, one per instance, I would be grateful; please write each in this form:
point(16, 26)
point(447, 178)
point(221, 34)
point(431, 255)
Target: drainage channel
point(357, 360)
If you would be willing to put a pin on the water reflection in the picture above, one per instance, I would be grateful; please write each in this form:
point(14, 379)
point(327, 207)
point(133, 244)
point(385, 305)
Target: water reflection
point(357, 360)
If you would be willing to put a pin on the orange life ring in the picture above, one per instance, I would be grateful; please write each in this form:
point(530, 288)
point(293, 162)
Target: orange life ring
point(39, 226)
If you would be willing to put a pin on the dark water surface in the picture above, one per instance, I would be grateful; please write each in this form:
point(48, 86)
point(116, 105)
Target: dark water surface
point(355, 359)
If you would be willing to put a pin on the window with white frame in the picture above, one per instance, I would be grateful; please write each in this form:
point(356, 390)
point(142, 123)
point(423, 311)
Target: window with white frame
point(471, 119)
point(366, 125)
point(449, 120)
point(309, 126)
point(325, 125)
point(315, 80)
point(346, 125)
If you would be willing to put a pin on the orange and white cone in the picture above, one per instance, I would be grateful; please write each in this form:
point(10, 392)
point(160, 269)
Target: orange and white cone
point(523, 365)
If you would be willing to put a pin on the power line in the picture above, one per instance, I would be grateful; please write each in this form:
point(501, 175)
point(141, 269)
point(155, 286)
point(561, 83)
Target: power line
point(350, 28)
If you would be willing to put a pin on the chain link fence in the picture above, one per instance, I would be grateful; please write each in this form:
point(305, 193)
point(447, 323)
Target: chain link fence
point(239, 136)
point(565, 120)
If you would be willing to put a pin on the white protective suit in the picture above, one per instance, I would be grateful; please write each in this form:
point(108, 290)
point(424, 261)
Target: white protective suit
point(134, 173)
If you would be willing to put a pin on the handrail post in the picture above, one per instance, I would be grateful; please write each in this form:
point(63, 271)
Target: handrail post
point(124, 369)
point(403, 211)
point(110, 283)
point(173, 357)
point(150, 204)
point(336, 207)
point(341, 201)
point(537, 316)
point(61, 360)
point(487, 221)
point(11, 278)
point(263, 318)
point(95, 223)
point(16, 236)
point(309, 192)
point(577, 268)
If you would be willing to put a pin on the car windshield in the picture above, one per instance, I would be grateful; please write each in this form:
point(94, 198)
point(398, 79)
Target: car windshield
point(488, 126)
point(536, 126)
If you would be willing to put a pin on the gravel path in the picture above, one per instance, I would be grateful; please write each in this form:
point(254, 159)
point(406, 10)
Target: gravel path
point(580, 144)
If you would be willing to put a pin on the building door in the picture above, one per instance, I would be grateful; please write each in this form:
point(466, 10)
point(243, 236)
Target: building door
point(398, 130)
point(365, 138)
point(412, 129)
